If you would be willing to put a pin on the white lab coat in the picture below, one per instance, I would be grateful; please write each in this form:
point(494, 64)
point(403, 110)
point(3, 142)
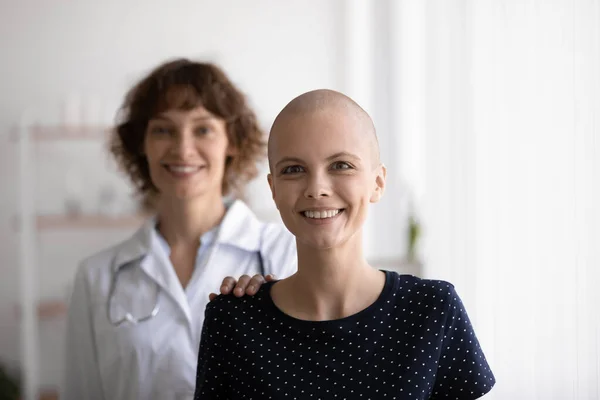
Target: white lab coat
point(157, 359)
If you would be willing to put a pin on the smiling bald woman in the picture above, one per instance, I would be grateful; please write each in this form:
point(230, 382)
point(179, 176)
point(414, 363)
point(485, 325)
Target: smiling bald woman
point(337, 328)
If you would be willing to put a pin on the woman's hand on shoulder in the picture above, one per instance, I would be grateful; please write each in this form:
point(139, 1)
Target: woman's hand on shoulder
point(246, 285)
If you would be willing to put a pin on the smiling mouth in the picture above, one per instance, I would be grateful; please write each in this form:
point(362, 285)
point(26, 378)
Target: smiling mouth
point(182, 169)
point(322, 214)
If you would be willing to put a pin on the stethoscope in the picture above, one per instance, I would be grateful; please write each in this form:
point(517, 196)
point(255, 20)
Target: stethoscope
point(136, 320)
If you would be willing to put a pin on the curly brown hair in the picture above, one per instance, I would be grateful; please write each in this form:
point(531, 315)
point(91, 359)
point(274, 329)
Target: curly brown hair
point(183, 84)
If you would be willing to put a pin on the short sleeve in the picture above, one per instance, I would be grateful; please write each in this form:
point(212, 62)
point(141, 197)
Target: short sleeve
point(463, 372)
point(210, 373)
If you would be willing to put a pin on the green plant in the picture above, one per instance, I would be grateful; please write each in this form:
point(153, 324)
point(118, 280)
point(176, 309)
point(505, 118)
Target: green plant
point(10, 386)
point(414, 232)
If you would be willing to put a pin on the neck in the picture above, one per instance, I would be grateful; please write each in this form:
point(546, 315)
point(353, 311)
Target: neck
point(332, 283)
point(184, 222)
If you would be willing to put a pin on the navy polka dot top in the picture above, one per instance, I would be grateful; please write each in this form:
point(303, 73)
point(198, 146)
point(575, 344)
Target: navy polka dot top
point(414, 342)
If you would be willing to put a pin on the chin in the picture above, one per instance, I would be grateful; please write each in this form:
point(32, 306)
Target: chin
point(185, 194)
point(323, 243)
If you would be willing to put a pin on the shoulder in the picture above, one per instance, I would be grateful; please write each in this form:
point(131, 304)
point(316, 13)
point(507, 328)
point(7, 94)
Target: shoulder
point(221, 303)
point(92, 278)
point(419, 291)
point(229, 308)
point(248, 304)
point(95, 268)
point(101, 259)
point(421, 286)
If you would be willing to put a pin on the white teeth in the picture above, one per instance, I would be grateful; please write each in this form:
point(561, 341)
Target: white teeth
point(321, 214)
point(183, 169)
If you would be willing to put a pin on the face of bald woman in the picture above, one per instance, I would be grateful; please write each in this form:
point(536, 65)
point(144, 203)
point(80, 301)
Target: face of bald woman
point(325, 168)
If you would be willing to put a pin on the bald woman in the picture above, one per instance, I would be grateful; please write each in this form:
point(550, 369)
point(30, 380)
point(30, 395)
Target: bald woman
point(337, 328)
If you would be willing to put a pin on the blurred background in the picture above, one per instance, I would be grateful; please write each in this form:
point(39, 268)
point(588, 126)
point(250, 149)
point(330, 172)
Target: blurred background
point(488, 115)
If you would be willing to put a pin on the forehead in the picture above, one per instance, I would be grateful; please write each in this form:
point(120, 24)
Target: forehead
point(318, 135)
point(198, 113)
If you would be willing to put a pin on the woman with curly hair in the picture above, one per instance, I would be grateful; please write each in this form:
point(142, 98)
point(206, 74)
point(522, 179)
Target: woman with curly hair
point(189, 142)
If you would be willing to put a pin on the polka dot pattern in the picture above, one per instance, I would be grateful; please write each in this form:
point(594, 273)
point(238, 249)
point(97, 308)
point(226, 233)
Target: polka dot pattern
point(415, 342)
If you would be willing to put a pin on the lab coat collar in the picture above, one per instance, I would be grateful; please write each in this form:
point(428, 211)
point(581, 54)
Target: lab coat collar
point(137, 246)
point(145, 247)
point(239, 228)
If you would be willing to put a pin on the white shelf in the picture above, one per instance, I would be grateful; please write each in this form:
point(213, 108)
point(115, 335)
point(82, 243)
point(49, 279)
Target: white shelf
point(90, 221)
point(66, 133)
point(83, 222)
point(31, 310)
point(48, 309)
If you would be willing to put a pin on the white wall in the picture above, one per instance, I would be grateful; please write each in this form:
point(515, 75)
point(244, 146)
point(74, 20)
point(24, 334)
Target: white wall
point(509, 170)
point(61, 50)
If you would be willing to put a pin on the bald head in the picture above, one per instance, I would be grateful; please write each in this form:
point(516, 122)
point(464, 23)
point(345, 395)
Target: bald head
point(328, 103)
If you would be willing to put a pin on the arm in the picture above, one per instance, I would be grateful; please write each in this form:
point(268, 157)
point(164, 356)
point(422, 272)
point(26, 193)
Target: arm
point(82, 376)
point(210, 373)
point(463, 372)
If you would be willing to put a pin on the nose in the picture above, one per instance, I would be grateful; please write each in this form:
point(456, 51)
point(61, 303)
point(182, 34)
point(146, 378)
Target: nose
point(184, 143)
point(317, 186)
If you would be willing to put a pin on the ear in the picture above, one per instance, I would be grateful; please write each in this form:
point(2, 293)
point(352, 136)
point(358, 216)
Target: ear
point(270, 181)
point(380, 174)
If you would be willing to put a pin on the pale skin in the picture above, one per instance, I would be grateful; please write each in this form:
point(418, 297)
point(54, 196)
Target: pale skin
point(324, 159)
point(186, 153)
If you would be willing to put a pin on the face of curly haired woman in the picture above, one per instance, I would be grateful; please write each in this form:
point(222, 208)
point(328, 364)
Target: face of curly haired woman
point(187, 132)
point(186, 151)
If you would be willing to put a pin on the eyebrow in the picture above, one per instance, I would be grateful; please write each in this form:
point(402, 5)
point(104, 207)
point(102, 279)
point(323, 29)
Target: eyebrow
point(344, 154)
point(331, 157)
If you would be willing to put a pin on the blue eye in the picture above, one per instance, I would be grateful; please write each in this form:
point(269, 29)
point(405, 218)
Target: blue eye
point(160, 130)
point(202, 130)
point(292, 169)
point(339, 165)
